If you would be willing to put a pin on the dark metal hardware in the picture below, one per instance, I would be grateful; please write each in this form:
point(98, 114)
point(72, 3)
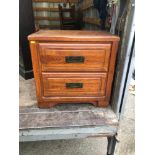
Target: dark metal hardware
point(74, 59)
point(74, 85)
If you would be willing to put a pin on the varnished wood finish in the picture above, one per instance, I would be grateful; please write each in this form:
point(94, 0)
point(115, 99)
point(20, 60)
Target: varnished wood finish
point(52, 56)
point(111, 69)
point(55, 84)
point(72, 35)
point(89, 80)
point(36, 69)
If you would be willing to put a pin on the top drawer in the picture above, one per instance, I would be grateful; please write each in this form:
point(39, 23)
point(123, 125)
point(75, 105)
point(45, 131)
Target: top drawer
point(74, 57)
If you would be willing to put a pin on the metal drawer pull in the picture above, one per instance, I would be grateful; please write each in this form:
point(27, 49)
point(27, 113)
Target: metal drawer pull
point(74, 59)
point(74, 85)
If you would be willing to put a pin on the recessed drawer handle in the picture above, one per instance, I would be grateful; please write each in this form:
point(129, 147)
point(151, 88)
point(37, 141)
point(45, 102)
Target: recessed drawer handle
point(74, 85)
point(74, 59)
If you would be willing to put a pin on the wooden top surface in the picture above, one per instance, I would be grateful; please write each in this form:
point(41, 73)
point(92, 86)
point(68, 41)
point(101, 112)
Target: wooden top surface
point(72, 35)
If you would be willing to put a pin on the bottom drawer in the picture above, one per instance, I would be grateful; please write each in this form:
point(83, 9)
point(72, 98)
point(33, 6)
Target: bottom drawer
point(73, 84)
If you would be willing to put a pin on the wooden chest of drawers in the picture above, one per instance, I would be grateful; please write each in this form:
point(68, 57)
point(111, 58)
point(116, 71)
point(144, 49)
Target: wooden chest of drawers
point(73, 66)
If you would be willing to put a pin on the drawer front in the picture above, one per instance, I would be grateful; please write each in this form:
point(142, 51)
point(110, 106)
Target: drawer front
point(74, 57)
point(73, 84)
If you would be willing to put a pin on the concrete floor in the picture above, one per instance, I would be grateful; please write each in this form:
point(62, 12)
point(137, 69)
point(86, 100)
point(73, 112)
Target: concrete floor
point(126, 133)
point(89, 146)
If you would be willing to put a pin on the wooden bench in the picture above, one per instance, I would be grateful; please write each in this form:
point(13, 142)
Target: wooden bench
point(65, 121)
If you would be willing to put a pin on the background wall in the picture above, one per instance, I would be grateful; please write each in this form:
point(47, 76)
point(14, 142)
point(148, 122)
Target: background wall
point(90, 15)
point(47, 16)
point(46, 12)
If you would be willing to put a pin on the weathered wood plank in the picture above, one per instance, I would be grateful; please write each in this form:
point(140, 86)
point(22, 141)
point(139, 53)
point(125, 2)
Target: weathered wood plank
point(45, 9)
point(50, 18)
point(43, 118)
point(55, 1)
point(52, 26)
point(50, 9)
point(94, 21)
point(86, 5)
point(68, 133)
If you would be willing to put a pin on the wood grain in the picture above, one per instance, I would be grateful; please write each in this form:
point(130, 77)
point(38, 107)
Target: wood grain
point(50, 9)
point(50, 26)
point(111, 69)
point(95, 21)
point(55, 84)
point(50, 18)
point(66, 116)
point(55, 1)
point(45, 9)
point(52, 56)
point(73, 35)
point(36, 69)
point(92, 77)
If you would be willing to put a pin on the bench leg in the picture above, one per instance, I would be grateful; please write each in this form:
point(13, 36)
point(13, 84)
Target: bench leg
point(111, 145)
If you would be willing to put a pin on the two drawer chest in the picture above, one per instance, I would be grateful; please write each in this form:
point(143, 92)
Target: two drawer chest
point(73, 66)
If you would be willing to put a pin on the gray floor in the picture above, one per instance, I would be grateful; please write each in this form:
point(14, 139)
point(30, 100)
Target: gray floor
point(89, 146)
point(126, 133)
